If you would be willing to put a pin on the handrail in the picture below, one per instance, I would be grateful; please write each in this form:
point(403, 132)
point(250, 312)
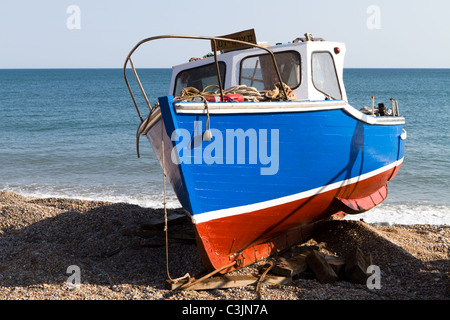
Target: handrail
point(213, 41)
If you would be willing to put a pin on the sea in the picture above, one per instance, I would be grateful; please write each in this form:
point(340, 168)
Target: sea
point(71, 133)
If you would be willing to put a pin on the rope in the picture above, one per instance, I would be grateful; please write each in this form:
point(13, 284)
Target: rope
point(261, 279)
point(277, 93)
point(250, 94)
point(190, 284)
point(143, 127)
point(166, 228)
point(207, 135)
point(192, 94)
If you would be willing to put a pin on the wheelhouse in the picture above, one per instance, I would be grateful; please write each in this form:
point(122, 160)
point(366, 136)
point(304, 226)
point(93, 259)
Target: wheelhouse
point(312, 69)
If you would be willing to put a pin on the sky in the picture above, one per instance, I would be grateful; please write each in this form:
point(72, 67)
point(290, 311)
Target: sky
point(99, 34)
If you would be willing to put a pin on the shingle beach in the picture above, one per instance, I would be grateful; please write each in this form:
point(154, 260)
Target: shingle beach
point(41, 240)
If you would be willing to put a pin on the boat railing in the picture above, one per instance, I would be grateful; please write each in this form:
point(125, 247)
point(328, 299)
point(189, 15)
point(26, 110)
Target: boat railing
point(214, 47)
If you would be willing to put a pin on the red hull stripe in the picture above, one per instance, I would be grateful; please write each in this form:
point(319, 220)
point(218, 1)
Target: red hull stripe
point(218, 214)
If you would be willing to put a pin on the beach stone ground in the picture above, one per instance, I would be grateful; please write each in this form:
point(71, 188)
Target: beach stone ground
point(46, 243)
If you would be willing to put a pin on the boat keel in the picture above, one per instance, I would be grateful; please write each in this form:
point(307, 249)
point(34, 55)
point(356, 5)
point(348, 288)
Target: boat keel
point(360, 205)
point(212, 260)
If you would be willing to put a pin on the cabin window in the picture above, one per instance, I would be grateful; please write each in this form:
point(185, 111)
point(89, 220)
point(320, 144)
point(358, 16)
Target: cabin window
point(324, 75)
point(199, 77)
point(259, 71)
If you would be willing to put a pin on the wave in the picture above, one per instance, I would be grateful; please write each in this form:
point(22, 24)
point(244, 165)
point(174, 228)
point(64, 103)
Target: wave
point(108, 194)
point(406, 213)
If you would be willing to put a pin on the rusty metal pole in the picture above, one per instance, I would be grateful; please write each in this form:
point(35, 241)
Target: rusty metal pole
point(140, 85)
point(214, 39)
point(219, 79)
point(278, 75)
point(131, 92)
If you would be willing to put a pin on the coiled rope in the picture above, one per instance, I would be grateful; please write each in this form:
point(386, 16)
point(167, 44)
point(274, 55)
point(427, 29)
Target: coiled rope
point(277, 93)
point(191, 94)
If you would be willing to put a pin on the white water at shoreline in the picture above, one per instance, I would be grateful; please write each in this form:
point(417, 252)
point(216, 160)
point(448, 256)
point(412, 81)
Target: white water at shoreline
point(386, 213)
point(405, 213)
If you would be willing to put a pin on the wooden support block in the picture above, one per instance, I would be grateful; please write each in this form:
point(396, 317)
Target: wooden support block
point(291, 267)
point(356, 266)
point(223, 282)
point(320, 267)
point(270, 279)
point(337, 264)
point(369, 260)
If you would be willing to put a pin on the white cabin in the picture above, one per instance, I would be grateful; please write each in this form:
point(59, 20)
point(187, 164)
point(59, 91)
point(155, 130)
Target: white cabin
point(312, 69)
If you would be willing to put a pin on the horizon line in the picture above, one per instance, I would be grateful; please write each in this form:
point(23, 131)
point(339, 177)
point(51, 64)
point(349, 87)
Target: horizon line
point(167, 68)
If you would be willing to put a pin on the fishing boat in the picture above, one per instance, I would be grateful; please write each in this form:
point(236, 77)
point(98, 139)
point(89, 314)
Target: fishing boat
point(259, 143)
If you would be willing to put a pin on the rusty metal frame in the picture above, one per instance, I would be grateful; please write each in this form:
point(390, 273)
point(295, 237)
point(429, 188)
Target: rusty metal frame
point(214, 46)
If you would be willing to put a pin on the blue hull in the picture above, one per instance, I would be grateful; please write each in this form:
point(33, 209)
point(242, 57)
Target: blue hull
point(315, 149)
point(266, 177)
